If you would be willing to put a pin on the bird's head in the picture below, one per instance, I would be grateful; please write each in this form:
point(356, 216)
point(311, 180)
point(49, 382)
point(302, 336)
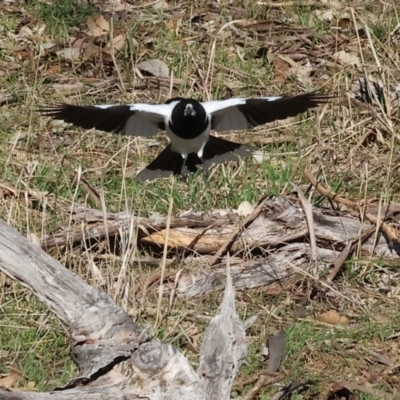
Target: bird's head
point(190, 110)
point(187, 111)
point(188, 115)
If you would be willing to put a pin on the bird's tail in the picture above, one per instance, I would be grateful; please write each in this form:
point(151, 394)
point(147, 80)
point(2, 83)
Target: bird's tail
point(216, 150)
point(166, 163)
point(219, 150)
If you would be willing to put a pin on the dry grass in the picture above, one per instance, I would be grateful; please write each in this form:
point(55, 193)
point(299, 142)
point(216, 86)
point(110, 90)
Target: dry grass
point(212, 54)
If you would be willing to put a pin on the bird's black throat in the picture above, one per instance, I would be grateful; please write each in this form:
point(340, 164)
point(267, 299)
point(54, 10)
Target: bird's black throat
point(188, 126)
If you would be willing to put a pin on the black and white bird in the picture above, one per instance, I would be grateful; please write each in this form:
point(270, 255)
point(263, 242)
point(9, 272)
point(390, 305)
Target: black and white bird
point(188, 123)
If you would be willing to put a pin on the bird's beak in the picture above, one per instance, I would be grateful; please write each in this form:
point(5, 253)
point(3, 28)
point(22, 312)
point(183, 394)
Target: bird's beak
point(189, 110)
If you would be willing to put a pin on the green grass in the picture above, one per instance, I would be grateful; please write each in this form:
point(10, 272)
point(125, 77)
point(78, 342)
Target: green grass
point(35, 341)
point(62, 15)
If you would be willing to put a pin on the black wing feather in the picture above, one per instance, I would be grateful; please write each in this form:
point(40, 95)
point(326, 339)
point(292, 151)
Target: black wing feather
point(166, 163)
point(218, 150)
point(261, 111)
point(112, 119)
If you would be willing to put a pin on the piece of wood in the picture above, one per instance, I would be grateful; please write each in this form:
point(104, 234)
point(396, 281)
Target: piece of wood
point(224, 346)
point(392, 233)
point(114, 357)
point(282, 221)
point(280, 265)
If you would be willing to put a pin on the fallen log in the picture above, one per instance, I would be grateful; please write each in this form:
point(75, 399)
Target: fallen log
point(114, 356)
point(279, 231)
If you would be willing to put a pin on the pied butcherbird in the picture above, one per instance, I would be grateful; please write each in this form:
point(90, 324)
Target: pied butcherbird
point(188, 124)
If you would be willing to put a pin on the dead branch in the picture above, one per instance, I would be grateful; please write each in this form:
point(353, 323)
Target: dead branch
point(279, 228)
point(282, 221)
point(114, 356)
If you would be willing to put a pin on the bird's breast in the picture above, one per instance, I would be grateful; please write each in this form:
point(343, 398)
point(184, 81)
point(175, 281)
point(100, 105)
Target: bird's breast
point(190, 145)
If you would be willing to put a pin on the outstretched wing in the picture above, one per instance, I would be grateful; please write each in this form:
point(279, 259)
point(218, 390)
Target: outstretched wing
point(132, 119)
point(237, 114)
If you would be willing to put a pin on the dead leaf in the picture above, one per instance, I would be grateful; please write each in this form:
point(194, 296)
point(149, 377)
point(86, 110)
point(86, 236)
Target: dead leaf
point(11, 379)
point(98, 25)
point(378, 357)
point(161, 5)
point(43, 47)
point(75, 51)
point(25, 31)
point(53, 69)
point(324, 15)
point(330, 15)
point(33, 238)
point(347, 58)
point(344, 23)
point(276, 350)
point(116, 44)
point(282, 69)
point(301, 72)
point(70, 53)
point(154, 67)
point(332, 317)
point(92, 50)
point(245, 209)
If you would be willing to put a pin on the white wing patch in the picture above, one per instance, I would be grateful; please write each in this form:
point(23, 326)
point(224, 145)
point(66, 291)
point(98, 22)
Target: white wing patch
point(145, 120)
point(217, 106)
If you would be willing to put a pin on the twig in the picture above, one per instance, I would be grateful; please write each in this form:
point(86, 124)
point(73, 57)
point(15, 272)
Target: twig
point(346, 251)
point(7, 99)
point(307, 207)
point(362, 140)
point(263, 381)
point(285, 391)
point(87, 189)
point(164, 259)
point(340, 260)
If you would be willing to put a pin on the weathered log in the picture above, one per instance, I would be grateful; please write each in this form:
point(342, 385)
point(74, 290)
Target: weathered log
point(282, 221)
point(280, 265)
point(280, 231)
point(114, 357)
